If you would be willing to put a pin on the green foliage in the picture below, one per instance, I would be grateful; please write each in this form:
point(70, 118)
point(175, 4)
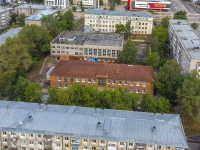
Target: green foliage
point(101, 2)
point(152, 59)
point(169, 79)
point(128, 29)
point(32, 93)
point(156, 46)
point(21, 20)
point(195, 25)
point(151, 11)
point(82, 8)
point(18, 51)
point(165, 22)
point(189, 96)
point(37, 38)
point(90, 97)
point(180, 15)
point(112, 5)
point(119, 28)
point(74, 8)
point(128, 54)
point(151, 104)
point(13, 18)
point(161, 33)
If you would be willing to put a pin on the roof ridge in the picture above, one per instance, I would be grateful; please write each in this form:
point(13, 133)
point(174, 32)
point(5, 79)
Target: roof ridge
point(145, 71)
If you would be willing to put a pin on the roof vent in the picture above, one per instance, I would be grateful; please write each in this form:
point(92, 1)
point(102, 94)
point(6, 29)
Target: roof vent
point(19, 122)
point(153, 128)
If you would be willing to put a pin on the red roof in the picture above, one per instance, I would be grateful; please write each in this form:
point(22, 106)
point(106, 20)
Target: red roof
point(84, 69)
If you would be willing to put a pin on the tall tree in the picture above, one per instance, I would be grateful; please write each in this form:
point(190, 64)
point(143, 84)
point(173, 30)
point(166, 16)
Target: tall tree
point(161, 33)
point(165, 22)
point(21, 20)
point(119, 28)
point(13, 18)
point(128, 29)
point(180, 14)
point(128, 54)
point(152, 59)
point(189, 96)
point(195, 25)
point(169, 79)
point(18, 52)
point(32, 93)
point(156, 46)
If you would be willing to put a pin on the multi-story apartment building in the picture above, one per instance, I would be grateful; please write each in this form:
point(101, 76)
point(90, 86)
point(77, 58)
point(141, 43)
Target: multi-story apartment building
point(135, 78)
point(62, 4)
point(5, 17)
point(30, 9)
point(87, 46)
point(31, 126)
point(105, 21)
point(91, 3)
point(184, 43)
point(36, 18)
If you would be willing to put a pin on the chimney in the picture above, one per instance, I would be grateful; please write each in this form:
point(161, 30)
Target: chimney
point(30, 10)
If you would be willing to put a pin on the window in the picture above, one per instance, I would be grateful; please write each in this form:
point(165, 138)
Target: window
point(59, 85)
point(66, 139)
point(65, 79)
point(103, 141)
point(137, 90)
point(104, 52)
point(85, 140)
point(99, 52)
point(23, 148)
point(93, 148)
point(113, 53)
point(57, 138)
point(39, 143)
point(167, 147)
point(85, 51)
point(77, 79)
point(113, 81)
point(94, 141)
point(89, 80)
point(90, 51)
point(57, 145)
point(94, 80)
point(95, 51)
point(66, 145)
point(13, 133)
point(59, 78)
point(85, 147)
point(71, 79)
point(130, 144)
point(112, 145)
point(4, 140)
point(131, 83)
point(31, 135)
point(131, 90)
point(108, 81)
point(23, 142)
point(150, 146)
point(22, 134)
point(101, 82)
point(144, 84)
point(39, 135)
point(109, 53)
point(159, 147)
point(4, 133)
point(31, 142)
point(119, 82)
point(137, 83)
point(143, 90)
point(125, 82)
point(121, 143)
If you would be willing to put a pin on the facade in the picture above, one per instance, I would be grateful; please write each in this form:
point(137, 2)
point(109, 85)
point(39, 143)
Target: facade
point(10, 33)
point(149, 4)
point(62, 4)
point(5, 17)
point(91, 3)
point(184, 43)
point(135, 78)
point(105, 21)
point(32, 126)
point(30, 9)
point(87, 46)
point(36, 18)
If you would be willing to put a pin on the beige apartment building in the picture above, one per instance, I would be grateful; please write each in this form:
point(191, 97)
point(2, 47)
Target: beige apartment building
point(5, 17)
point(103, 47)
point(105, 21)
point(32, 126)
point(184, 45)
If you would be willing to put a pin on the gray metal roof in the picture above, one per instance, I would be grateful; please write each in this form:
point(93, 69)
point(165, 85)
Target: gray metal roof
point(50, 70)
point(81, 122)
point(120, 13)
point(9, 33)
point(33, 6)
point(40, 14)
point(188, 37)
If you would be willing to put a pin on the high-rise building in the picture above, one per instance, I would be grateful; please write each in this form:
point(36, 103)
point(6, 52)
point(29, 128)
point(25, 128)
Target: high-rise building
point(62, 4)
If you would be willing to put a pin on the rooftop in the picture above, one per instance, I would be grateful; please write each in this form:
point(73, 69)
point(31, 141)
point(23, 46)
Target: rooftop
point(33, 6)
point(9, 33)
point(81, 122)
point(120, 13)
point(3, 9)
point(40, 14)
point(188, 37)
point(94, 38)
point(84, 69)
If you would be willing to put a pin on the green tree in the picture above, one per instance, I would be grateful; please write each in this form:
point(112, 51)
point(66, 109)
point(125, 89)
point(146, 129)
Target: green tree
point(112, 5)
point(74, 8)
point(189, 96)
point(13, 18)
point(165, 22)
point(69, 17)
point(32, 93)
point(161, 33)
point(18, 51)
point(128, 54)
point(101, 2)
point(148, 103)
point(37, 38)
point(119, 28)
point(180, 15)
point(195, 25)
point(20, 87)
point(156, 46)
point(82, 8)
point(21, 20)
point(169, 79)
point(162, 105)
point(128, 29)
point(152, 59)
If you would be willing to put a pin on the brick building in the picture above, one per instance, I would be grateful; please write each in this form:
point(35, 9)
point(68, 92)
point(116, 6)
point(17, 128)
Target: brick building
point(135, 78)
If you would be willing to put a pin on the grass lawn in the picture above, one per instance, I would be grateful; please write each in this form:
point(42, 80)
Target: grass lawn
point(33, 73)
point(191, 127)
point(138, 38)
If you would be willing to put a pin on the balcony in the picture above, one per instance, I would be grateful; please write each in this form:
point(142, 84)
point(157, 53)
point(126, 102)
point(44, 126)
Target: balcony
point(75, 142)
